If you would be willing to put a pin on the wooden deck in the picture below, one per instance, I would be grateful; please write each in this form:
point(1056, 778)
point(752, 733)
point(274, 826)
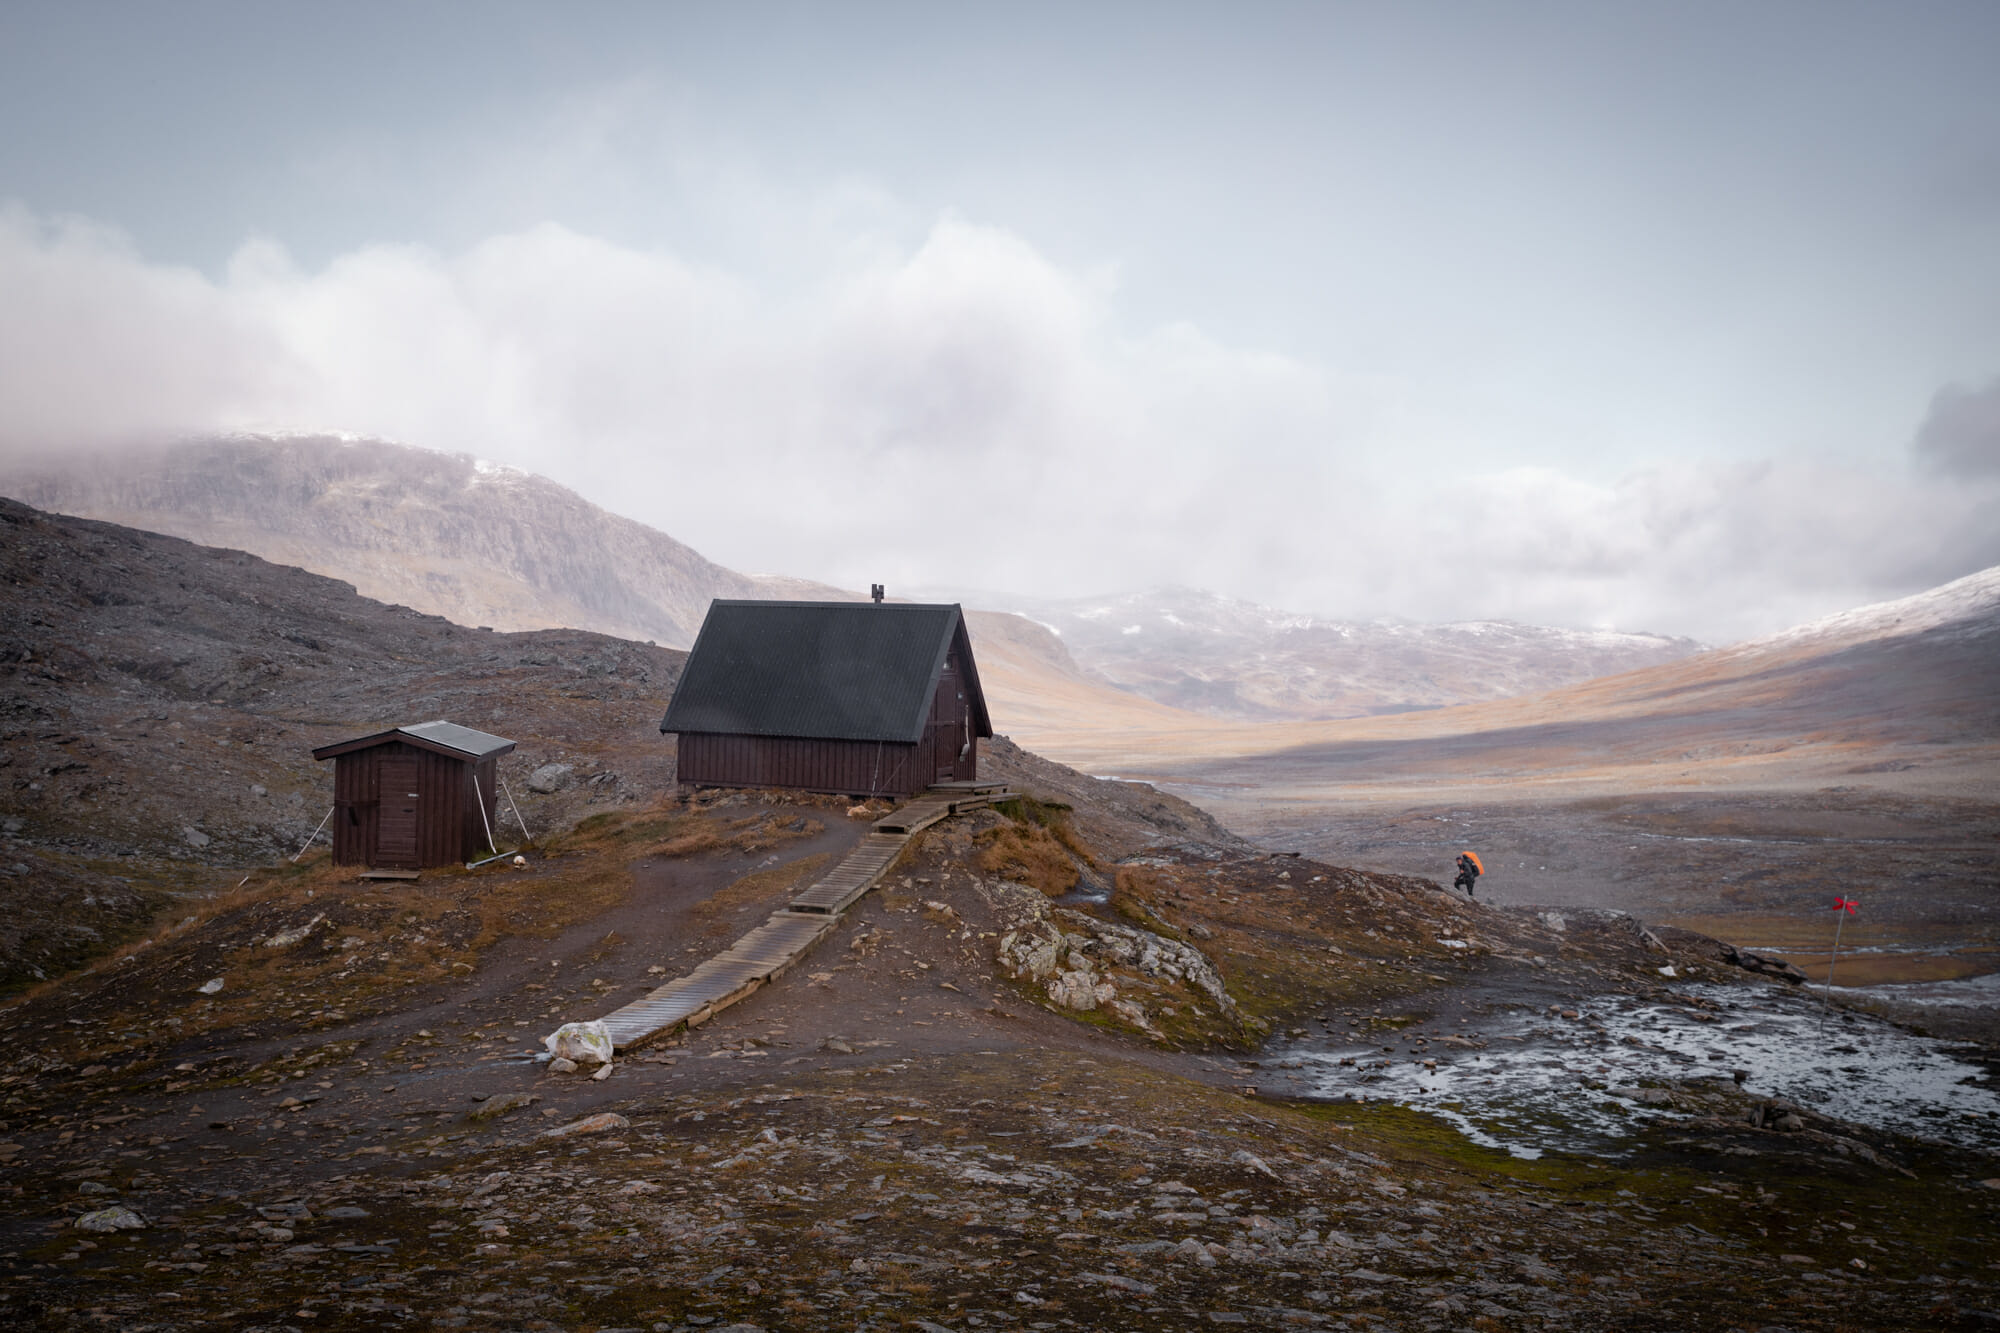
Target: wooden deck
point(772, 948)
point(941, 802)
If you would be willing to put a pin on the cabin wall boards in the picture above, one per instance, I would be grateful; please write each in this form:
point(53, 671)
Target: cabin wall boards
point(856, 698)
point(413, 797)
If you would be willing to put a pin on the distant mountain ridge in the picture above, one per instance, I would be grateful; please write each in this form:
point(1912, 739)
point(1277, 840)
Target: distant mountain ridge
point(485, 544)
point(1898, 693)
point(1193, 649)
point(447, 534)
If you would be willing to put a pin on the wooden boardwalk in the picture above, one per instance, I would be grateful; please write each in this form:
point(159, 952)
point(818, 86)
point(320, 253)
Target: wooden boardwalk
point(852, 876)
point(770, 950)
point(762, 955)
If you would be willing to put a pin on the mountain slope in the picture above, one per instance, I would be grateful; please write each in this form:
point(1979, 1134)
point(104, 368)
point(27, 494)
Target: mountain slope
point(159, 702)
point(1901, 686)
point(446, 534)
point(1193, 649)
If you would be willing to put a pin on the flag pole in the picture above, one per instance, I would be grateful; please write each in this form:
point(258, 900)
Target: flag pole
point(1842, 909)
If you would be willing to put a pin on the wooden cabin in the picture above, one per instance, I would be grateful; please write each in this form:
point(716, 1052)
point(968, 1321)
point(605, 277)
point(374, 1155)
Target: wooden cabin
point(856, 698)
point(414, 796)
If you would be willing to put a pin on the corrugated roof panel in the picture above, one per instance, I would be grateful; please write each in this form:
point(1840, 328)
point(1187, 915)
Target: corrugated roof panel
point(446, 737)
point(838, 670)
point(470, 743)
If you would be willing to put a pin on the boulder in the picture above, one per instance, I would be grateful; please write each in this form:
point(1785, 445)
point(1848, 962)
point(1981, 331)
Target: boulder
point(111, 1219)
point(593, 1124)
point(495, 1107)
point(550, 778)
point(586, 1043)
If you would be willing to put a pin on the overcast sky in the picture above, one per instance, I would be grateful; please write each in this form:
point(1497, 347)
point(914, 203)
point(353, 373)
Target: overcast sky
point(1673, 317)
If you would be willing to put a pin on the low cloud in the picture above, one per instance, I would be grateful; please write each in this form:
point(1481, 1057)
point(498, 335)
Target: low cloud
point(1960, 436)
point(959, 411)
point(1714, 550)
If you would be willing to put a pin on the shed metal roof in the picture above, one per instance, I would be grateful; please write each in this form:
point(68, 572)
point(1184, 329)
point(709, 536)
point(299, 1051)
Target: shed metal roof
point(827, 670)
point(443, 737)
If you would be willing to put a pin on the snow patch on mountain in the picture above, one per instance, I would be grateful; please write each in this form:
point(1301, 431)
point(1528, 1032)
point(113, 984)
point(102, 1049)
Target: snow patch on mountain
point(1199, 650)
point(1971, 605)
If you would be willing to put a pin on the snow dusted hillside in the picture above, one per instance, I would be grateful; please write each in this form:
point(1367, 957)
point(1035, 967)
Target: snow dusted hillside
point(1970, 606)
point(1195, 649)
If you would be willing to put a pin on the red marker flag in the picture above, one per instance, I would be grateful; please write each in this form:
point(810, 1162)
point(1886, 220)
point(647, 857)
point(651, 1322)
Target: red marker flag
point(1842, 905)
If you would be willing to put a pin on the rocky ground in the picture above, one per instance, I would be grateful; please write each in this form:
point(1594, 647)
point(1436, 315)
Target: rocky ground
point(159, 702)
point(923, 1125)
point(1036, 1080)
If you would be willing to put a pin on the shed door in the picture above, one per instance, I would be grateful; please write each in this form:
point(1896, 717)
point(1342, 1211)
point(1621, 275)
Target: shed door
point(948, 714)
point(396, 841)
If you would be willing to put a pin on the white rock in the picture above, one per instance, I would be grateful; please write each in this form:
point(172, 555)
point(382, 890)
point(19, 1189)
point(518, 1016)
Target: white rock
point(209, 987)
point(1080, 990)
point(284, 939)
point(110, 1219)
point(587, 1042)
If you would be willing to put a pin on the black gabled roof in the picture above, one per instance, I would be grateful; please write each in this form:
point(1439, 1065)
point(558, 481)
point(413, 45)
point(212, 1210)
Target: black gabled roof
point(861, 671)
point(442, 737)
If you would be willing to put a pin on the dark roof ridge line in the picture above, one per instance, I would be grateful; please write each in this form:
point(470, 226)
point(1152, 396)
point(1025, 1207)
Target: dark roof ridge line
point(859, 602)
point(821, 670)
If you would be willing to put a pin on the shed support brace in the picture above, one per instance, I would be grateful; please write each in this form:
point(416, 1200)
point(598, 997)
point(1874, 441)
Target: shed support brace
point(491, 845)
point(525, 835)
point(315, 833)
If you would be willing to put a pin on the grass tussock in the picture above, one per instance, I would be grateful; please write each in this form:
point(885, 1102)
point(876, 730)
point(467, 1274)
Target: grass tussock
point(1037, 845)
point(1136, 892)
point(1028, 855)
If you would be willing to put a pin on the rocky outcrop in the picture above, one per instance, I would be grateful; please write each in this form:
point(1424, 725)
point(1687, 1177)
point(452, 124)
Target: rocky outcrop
point(1759, 963)
point(1079, 958)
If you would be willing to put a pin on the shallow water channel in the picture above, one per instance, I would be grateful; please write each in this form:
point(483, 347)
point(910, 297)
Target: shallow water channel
point(1547, 1082)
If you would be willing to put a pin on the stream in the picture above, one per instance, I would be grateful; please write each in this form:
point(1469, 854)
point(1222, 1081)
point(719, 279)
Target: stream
point(1547, 1082)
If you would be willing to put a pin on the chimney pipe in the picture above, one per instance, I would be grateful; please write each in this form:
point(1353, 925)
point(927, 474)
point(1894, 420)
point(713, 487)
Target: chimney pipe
point(875, 591)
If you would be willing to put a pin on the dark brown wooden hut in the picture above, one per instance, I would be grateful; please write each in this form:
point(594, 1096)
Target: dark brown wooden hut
point(414, 796)
point(858, 698)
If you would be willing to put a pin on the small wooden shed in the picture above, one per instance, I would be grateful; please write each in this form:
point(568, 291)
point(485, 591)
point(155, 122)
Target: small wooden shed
point(857, 698)
point(414, 796)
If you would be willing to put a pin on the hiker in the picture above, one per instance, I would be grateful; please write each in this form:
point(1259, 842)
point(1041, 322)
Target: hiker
point(1469, 871)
